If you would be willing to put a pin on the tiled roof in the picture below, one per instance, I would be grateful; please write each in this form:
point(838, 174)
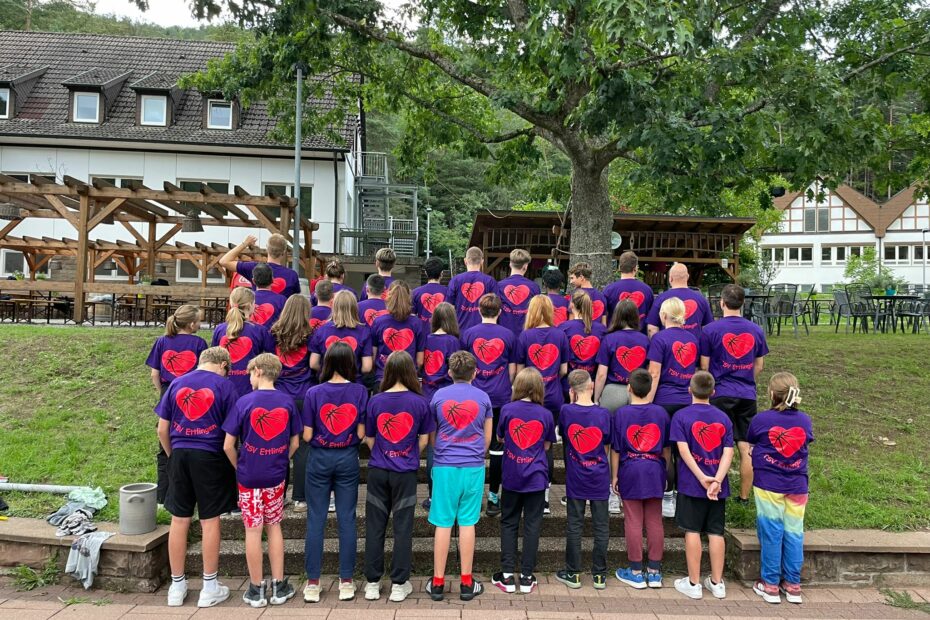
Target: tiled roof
point(156, 80)
point(45, 112)
point(95, 77)
point(17, 72)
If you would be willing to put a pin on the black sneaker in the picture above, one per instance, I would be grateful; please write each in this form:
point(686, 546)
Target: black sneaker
point(426, 504)
point(494, 509)
point(546, 510)
point(436, 594)
point(527, 584)
point(506, 584)
point(572, 580)
point(470, 592)
point(281, 591)
point(255, 595)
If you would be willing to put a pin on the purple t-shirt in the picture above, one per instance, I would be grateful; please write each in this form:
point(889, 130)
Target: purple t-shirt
point(370, 309)
point(677, 350)
point(295, 376)
point(582, 347)
point(435, 371)
point(585, 431)
point(252, 341)
point(707, 431)
point(515, 293)
point(622, 352)
point(780, 442)
point(465, 289)
point(427, 297)
point(358, 337)
point(396, 420)
point(285, 281)
point(175, 356)
point(560, 308)
point(268, 306)
point(598, 302)
point(459, 411)
point(697, 310)
point(336, 288)
point(387, 285)
point(640, 433)
point(319, 315)
point(264, 421)
point(195, 406)
point(636, 291)
point(733, 344)
point(545, 349)
point(389, 335)
point(493, 348)
point(334, 411)
point(524, 427)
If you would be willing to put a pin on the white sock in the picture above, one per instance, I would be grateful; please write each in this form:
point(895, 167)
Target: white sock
point(209, 582)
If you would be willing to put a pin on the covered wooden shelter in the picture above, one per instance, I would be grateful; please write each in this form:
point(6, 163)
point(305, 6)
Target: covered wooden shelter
point(85, 206)
point(658, 240)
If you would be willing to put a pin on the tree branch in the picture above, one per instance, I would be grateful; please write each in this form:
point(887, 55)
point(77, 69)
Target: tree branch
point(519, 13)
point(885, 57)
point(748, 110)
point(476, 132)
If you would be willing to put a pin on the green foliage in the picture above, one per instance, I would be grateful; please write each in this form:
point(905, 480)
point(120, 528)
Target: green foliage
point(27, 579)
point(757, 270)
point(867, 269)
point(903, 600)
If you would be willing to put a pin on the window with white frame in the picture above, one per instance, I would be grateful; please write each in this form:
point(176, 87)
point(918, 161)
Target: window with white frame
point(898, 254)
point(86, 108)
point(5, 111)
point(12, 262)
point(110, 270)
point(123, 182)
point(918, 253)
point(219, 114)
point(154, 110)
point(816, 217)
point(284, 189)
point(791, 255)
point(187, 271)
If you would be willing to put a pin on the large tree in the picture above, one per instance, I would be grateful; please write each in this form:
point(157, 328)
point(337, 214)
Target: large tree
point(699, 96)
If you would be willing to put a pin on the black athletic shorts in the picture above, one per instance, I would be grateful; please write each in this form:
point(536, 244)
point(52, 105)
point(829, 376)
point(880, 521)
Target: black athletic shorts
point(672, 409)
point(700, 515)
point(740, 411)
point(203, 479)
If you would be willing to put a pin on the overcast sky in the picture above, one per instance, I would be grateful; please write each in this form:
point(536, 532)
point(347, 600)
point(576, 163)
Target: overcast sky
point(161, 12)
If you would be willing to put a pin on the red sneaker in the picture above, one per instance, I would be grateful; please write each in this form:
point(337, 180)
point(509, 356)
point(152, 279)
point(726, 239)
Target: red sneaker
point(792, 592)
point(769, 593)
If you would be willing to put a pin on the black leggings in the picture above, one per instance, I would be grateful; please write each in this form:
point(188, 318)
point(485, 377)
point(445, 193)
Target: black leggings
point(671, 467)
point(495, 473)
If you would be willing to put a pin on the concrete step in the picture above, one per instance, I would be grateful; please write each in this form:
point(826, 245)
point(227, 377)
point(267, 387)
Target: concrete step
point(295, 524)
point(550, 558)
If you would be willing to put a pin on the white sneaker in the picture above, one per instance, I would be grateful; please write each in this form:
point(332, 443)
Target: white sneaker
point(372, 591)
point(346, 590)
point(332, 502)
point(312, 593)
point(668, 504)
point(400, 592)
point(213, 597)
point(300, 506)
point(177, 592)
point(719, 590)
point(684, 586)
point(613, 504)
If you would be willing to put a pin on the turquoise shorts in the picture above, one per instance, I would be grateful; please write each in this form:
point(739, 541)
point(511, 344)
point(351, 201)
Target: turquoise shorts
point(457, 495)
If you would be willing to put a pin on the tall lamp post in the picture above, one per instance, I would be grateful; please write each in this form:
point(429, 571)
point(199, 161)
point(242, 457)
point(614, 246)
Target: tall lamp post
point(428, 250)
point(295, 253)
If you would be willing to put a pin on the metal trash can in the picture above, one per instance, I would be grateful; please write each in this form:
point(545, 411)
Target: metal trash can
point(137, 506)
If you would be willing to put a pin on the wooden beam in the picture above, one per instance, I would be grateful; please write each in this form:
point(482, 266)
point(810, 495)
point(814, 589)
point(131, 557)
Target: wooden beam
point(81, 274)
point(132, 205)
point(104, 212)
point(135, 233)
point(63, 210)
point(266, 222)
point(168, 235)
point(203, 206)
point(206, 190)
point(9, 228)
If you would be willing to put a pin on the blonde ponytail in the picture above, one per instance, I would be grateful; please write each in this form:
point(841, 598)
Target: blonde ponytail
point(581, 302)
point(183, 318)
point(241, 301)
point(785, 391)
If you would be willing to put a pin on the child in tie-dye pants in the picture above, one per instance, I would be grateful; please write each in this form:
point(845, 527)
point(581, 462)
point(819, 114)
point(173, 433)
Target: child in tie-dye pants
point(780, 438)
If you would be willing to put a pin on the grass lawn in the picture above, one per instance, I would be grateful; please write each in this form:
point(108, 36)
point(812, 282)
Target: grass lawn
point(76, 408)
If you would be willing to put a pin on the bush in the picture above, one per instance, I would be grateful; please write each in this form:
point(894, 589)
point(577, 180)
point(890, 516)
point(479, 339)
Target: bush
point(867, 270)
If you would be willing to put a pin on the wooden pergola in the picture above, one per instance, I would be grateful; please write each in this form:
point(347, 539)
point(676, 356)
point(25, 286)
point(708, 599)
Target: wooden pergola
point(85, 206)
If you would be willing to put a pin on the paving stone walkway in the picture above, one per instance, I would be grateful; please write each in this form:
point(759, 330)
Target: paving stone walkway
point(551, 601)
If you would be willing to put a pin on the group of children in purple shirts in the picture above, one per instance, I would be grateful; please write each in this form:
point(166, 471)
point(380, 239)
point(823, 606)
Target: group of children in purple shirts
point(458, 372)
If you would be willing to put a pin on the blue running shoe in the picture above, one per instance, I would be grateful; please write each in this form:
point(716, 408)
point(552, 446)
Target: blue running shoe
point(634, 580)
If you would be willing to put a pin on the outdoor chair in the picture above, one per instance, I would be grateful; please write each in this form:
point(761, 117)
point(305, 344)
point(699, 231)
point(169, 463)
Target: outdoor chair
point(915, 314)
point(804, 310)
point(781, 306)
point(714, 292)
point(864, 307)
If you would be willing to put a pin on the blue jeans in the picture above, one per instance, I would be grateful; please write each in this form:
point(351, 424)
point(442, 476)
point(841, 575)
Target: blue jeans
point(331, 469)
point(780, 527)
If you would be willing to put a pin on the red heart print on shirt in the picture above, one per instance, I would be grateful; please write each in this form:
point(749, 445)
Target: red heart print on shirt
point(643, 438)
point(738, 345)
point(398, 339)
point(585, 347)
point(315, 323)
point(525, 434)
point(262, 313)
point(460, 414)
point(429, 301)
point(585, 438)
point(337, 418)
point(238, 348)
point(291, 358)
point(194, 403)
point(631, 358)
point(472, 291)
point(690, 308)
point(597, 309)
point(178, 363)
point(636, 297)
point(269, 424)
point(709, 436)
point(349, 340)
point(787, 440)
point(395, 426)
point(432, 361)
point(516, 294)
point(559, 316)
point(542, 356)
point(278, 285)
point(488, 350)
point(684, 352)
point(371, 314)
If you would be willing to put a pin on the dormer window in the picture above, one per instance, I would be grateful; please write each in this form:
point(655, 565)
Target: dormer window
point(4, 103)
point(154, 110)
point(86, 107)
point(219, 114)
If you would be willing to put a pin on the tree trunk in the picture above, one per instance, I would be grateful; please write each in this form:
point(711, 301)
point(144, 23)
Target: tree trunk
point(591, 221)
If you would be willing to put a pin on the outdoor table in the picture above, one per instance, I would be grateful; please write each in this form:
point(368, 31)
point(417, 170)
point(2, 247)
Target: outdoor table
point(750, 298)
point(890, 302)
